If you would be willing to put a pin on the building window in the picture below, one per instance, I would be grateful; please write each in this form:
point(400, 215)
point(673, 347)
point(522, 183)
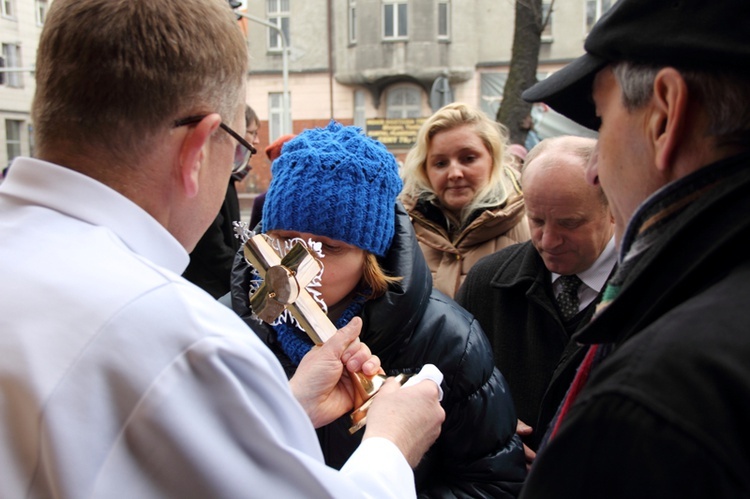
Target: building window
point(275, 115)
point(594, 10)
point(41, 11)
point(444, 20)
point(32, 140)
point(12, 59)
point(547, 20)
point(359, 109)
point(352, 21)
point(394, 20)
point(403, 101)
point(13, 138)
point(278, 14)
point(8, 8)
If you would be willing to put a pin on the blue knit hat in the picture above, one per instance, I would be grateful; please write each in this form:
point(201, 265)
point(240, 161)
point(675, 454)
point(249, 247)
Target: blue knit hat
point(335, 182)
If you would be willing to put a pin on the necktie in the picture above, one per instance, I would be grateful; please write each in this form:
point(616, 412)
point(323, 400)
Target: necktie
point(567, 299)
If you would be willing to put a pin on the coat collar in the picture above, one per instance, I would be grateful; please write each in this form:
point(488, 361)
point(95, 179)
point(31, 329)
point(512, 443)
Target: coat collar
point(388, 319)
point(696, 253)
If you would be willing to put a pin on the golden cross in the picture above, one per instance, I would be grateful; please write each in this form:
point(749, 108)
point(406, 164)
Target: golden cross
point(284, 287)
point(284, 282)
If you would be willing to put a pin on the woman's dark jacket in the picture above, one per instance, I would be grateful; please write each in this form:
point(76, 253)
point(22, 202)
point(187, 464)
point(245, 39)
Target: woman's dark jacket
point(478, 453)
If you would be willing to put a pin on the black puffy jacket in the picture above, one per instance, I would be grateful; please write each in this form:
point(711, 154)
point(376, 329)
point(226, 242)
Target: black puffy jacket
point(478, 453)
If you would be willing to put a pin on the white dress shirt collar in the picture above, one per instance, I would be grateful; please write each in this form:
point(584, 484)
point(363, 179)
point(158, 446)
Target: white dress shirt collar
point(84, 198)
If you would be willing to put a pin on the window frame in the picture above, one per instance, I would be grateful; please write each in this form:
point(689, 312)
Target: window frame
point(277, 15)
point(352, 21)
point(275, 115)
point(399, 9)
point(547, 35)
point(403, 110)
point(597, 14)
point(11, 53)
point(41, 8)
point(8, 9)
point(15, 143)
point(447, 5)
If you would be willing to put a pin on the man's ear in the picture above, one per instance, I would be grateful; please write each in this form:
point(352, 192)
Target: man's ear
point(193, 152)
point(667, 122)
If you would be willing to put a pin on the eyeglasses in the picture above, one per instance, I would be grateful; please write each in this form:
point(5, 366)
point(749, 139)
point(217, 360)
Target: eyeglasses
point(242, 153)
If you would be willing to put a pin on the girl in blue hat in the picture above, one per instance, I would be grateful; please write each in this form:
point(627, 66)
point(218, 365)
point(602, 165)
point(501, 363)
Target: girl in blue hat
point(338, 187)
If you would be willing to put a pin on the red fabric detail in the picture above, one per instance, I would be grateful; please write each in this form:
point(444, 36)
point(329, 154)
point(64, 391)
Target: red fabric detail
point(582, 375)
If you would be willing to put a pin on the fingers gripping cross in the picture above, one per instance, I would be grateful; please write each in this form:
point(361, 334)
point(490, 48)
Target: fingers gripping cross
point(284, 287)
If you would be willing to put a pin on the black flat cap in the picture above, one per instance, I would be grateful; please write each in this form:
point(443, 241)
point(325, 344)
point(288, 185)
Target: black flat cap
point(686, 34)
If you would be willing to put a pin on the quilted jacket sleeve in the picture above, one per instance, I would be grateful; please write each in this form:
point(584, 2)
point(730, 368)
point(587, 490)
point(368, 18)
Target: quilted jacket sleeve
point(478, 453)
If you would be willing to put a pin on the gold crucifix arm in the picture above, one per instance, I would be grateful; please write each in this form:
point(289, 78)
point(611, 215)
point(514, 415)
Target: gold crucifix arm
point(284, 281)
point(284, 286)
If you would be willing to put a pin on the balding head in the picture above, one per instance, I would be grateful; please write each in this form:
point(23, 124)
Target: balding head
point(569, 218)
point(576, 152)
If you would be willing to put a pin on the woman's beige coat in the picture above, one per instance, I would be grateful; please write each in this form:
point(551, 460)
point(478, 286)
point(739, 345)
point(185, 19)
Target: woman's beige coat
point(450, 260)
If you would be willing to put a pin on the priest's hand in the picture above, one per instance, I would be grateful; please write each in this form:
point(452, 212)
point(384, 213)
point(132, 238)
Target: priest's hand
point(321, 383)
point(409, 416)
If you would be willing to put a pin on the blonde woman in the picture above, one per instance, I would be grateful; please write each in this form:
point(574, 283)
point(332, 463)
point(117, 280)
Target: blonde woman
point(462, 193)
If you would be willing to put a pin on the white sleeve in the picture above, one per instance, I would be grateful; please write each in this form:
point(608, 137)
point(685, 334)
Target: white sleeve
point(380, 469)
point(220, 421)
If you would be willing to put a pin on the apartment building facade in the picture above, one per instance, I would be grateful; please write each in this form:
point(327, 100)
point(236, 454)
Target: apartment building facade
point(392, 62)
point(383, 65)
point(21, 24)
